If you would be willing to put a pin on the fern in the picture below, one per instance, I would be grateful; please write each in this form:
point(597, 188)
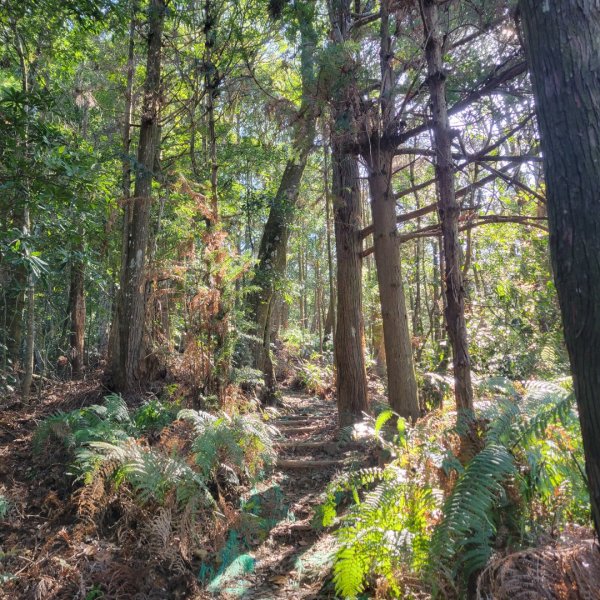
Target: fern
point(243, 444)
point(462, 541)
point(387, 529)
point(153, 475)
point(348, 482)
point(528, 448)
point(108, 422)
point(368, 548)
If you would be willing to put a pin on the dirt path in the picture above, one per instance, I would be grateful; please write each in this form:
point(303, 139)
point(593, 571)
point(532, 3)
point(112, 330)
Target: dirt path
point(291, 559)
point(273, 551)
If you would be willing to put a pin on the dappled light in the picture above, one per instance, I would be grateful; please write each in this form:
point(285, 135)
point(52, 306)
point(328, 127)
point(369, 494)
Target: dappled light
point(299, 299)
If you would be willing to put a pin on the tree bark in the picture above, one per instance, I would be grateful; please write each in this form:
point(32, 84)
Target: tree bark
point(29, 339)
point(77, 309)
point(402, 385)
point(272, 253)
point(329, 327)
point(448, 208)
point(127, 363)
point(563, 47)
point(117, 307)
point(351, 376)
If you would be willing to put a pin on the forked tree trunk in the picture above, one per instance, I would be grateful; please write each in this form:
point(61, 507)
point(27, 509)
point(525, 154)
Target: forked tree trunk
point(563, 47)
point(351, 376)
point(127, 363)
point(448, 208)
point(402, 385)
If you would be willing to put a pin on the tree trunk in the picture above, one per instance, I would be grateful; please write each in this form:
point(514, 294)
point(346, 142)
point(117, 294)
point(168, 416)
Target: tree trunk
point(402, 385)
point(117, 307)
point(29, 340)
point(302, 282)
point(448, 208)
point(270, 270)
point(77, 309)
point(128, 360)
point(563, 47)
point(15, 305)
point(272, 253)
point(329, 328)
point(351, 376)
point(220, 319)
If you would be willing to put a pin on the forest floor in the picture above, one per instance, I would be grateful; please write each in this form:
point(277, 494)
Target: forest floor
point(282, 556)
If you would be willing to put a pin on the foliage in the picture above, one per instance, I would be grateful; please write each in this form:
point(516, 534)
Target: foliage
point(108, 422)
point(5, 506)
point(105, 435)
point(241, 444)
point(453, 494)
point(387, 529)
point(315, 377)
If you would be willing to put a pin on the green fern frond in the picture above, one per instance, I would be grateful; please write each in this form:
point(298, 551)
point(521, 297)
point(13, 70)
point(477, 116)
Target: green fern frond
point(349, 572)
point(544, 408)
point(199, 419)
point(467, 527)
point(114, 409)
point(152, 474)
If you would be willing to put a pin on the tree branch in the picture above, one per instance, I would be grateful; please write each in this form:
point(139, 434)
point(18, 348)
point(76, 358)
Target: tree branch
point(435, 231)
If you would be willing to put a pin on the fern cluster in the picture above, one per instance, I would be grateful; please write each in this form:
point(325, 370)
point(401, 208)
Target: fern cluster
point(242, 444)
point(387, 529)
point(107, 422)
point(508, 479)
point(524, 464)
point(106, 441)
point(177, 479)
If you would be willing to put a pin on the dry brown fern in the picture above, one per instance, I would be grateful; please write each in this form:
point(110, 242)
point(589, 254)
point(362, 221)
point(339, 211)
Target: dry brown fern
point(91, 500)
point(549, 573)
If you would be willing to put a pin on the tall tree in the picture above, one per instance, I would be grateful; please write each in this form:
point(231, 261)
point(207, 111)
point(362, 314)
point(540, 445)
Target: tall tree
point(351, 378)
point(448, 207)
point(563, 48)
point(128, 360)
point(379, 155)
point(272, 253)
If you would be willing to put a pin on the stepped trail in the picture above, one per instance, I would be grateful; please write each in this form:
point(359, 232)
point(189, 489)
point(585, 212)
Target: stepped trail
point(286, 557)
point(272, 550)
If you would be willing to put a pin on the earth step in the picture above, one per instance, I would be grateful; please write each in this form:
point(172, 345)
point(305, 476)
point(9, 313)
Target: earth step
point(295, 417)
point(302, 423)
point(300, 444)
point(286, 529)
point(297, 430)
point(286, 463)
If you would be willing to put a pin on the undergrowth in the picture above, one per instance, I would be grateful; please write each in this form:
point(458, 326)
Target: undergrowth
point(174, 472)
point(453, 494)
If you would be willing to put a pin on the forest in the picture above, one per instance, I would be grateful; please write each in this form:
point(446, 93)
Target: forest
point(299, 299)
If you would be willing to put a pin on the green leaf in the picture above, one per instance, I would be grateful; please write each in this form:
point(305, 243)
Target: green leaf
point(382, 419)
